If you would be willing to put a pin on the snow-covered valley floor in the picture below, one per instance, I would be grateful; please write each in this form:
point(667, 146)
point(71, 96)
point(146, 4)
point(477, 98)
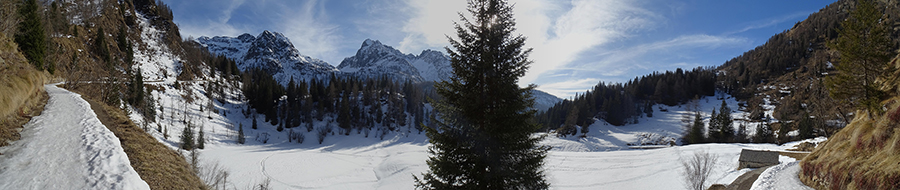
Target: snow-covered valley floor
point(66, 147)
point(602, 160)
point(368, 163)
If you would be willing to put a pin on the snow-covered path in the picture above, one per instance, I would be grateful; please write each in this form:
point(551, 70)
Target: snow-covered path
point(67, 147)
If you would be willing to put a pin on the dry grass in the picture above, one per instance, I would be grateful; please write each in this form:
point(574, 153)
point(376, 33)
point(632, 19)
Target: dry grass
point(863, 155)
point(795, 155)
point(159, 166)
point(22, 94)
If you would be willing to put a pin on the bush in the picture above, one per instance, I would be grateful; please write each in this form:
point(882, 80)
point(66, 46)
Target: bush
point(697, 169)
point(321, 132)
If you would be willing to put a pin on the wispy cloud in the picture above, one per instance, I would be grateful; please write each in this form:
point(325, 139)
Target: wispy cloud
point(581, 27)
point(567, 89)
point(214, 23)
point(428, 24)
point(769, 22)
point(619, 65)
point(310, 31)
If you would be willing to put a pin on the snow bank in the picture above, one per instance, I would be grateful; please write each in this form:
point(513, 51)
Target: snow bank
point(67, 147)
point(782, 176)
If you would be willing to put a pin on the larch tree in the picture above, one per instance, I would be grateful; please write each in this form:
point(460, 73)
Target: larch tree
point(484, 137)
point(865, 46)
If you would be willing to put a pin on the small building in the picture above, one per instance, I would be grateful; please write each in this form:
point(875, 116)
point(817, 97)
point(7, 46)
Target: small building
point(757, 158)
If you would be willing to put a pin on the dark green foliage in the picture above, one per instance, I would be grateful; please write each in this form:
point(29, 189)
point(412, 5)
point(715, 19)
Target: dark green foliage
point(620, 104)
point(31, 37)
point(648, 109)
point(483, 140)
point(741, 136)
point(764, 134)
point(568, 128)
point(865, 50)
point(101, 48)
point(806, 127)
point(187, 138)
point(783, 131)
point(136, 89)
point(694, 133)
point(720, 125)
point(344, 115)
point(262, 91)
point(240, 136)
point(341, 98)
point(254, 122)
point(201, 141)
point(125, 46)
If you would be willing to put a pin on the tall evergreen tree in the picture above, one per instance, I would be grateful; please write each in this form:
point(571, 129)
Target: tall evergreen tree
point(201, 141)
point(725, 121)
point(100, 47)
point(187, 138)
point(805, 127)
point(483, 140)
point(240, 138)
point(31, 38)
point(864, 45)
point(695, 132)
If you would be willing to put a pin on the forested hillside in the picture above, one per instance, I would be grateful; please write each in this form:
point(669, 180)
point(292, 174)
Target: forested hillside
point(620, 104)
point(790, 69)
point(787, 72)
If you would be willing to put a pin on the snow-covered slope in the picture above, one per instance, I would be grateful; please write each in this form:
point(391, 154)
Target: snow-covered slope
point(544, 100)
point(432, 65)
point(67, 147)
point(270, 51)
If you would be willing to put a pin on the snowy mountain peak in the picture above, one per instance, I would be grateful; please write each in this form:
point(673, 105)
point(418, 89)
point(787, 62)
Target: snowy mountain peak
point(374, 59)
point(369, 42)
point(269, 51)
point(245, 37)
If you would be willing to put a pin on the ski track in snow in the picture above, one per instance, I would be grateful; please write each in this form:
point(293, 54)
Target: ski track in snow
point(67, 147)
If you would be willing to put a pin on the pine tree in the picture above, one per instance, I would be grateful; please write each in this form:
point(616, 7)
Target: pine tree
point(100, 47)
point(240, 137)
point(201, 142)
point(806, 127)
point(484, 139)
point(187, 138)
point(695, 132)
point(31, 38)
point(865, 51)
point(726, 130)
point(764, 134)
point(714, 126)
point(254, 121)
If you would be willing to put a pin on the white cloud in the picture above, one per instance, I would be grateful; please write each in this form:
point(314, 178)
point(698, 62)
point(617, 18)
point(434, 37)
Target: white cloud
point(430, 21)
point(217, 25)
point(310, 31)
point(769, 22)
point(558, 31)
point(618, 63)
point(567, 89)
point(583, 26)
point(628, 55)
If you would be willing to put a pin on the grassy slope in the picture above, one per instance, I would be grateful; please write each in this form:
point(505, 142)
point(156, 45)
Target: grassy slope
point(863, 155)
point(22, 93)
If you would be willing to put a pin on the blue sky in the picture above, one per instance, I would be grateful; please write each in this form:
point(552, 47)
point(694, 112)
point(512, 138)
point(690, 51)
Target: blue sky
point(577, 43)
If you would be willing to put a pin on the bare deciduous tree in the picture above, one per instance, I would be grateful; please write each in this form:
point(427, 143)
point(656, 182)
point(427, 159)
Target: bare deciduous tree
point(697, 169)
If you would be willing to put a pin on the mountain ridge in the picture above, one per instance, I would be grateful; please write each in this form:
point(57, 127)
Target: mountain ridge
point(275, 54)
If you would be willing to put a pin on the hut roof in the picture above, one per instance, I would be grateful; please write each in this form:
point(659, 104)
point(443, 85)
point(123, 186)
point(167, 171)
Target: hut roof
point(758, 156)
